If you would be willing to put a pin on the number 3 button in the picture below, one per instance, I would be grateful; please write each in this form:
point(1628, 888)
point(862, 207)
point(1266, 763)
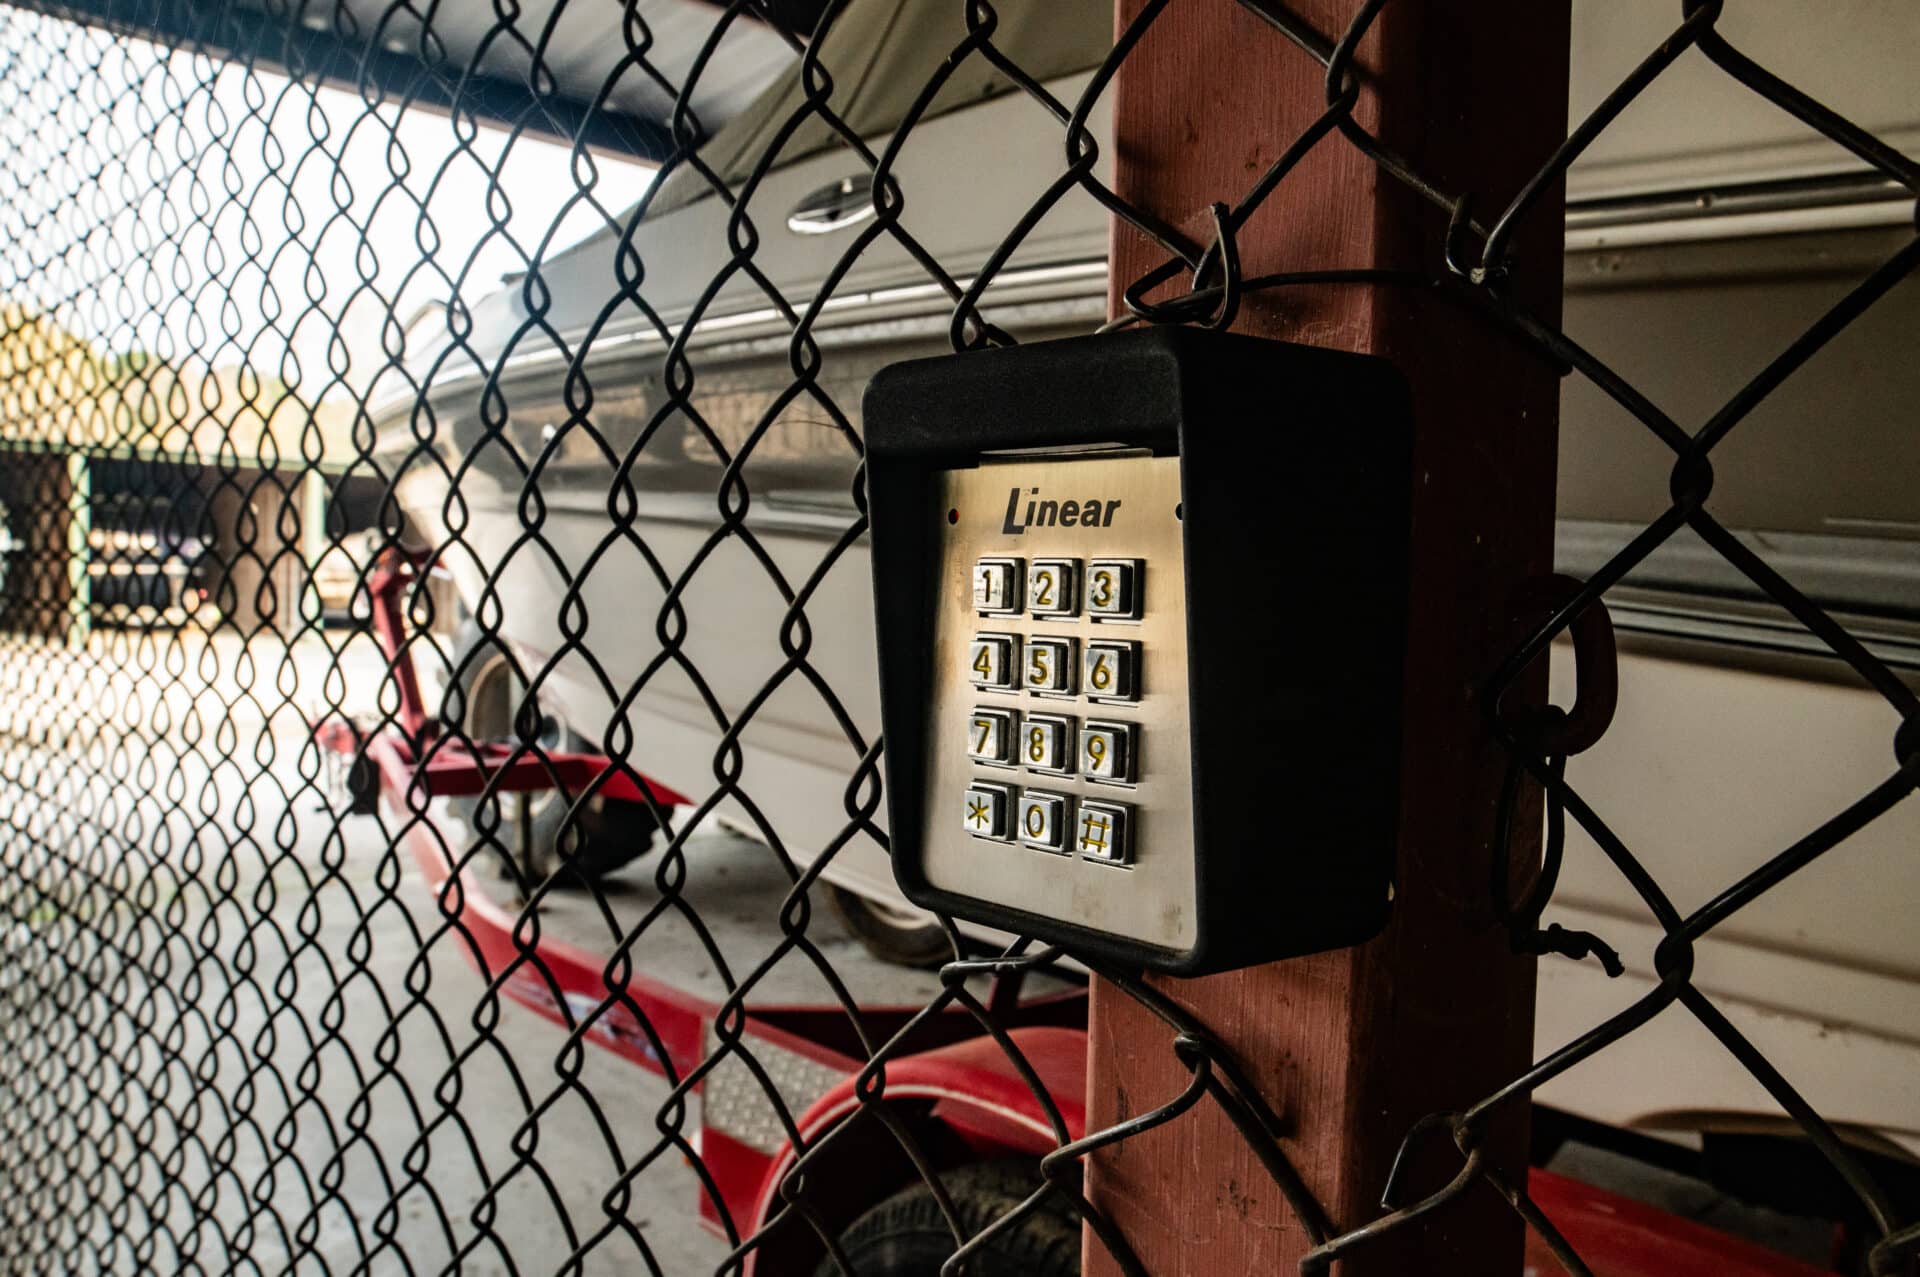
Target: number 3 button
point(1113, 589)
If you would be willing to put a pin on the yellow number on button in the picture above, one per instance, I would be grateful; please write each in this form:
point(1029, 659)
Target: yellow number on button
point(1043, 589)
point(1102, 675)
point(1036, 820)
point(1037, 744)
point(983, 663)
point(986, 729)
point(1103, 588)
point(1037, 667)
point(1096, 752)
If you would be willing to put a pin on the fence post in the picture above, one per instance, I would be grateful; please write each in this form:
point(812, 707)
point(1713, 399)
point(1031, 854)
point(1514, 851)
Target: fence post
point(1353, 1047)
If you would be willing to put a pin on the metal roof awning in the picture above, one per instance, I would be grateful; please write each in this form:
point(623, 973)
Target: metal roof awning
point(563, 71)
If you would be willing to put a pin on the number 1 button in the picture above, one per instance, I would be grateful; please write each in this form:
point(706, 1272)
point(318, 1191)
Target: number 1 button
point(996, 585)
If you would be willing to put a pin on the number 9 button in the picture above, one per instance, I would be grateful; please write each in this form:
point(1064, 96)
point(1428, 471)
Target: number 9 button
point(1107, 751)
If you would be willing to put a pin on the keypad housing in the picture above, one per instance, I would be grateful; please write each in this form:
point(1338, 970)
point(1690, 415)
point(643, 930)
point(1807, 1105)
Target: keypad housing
point(1097, 703)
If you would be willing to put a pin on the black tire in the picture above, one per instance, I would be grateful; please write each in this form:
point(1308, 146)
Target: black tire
point(892, 934)
point(907, 1236)
point(609, 833)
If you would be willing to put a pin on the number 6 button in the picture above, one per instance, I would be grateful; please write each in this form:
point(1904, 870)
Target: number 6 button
point(1107, 751)
point(1109, 675)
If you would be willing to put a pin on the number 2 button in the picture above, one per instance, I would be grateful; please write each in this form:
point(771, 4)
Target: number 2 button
point(1053, 587)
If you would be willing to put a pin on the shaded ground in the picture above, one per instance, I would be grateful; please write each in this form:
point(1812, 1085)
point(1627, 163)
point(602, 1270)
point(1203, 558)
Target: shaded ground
point(237, 1035)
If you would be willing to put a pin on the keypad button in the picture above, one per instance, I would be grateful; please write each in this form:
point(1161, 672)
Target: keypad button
point(1103, 831)
point(1046, 742)
point(1107, 751)
point(990, 736)
point(1053, 587)
point(990, 661)
point(1113, 589)
point(1112, 671)
point(987, 807)
point(1043, 820)
point(1051, 664)
point(996, 586)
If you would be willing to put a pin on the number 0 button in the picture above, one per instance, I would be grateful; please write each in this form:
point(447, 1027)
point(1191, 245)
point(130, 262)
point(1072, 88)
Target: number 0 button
point(1113, 589)
point(1043, 820)
point(1107, 751)
point(1110, 673)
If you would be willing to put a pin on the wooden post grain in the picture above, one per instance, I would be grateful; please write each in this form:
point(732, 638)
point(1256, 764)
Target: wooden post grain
point(1353, 1047)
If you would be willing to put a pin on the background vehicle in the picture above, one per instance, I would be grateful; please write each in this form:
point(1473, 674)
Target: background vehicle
point(1692, 258)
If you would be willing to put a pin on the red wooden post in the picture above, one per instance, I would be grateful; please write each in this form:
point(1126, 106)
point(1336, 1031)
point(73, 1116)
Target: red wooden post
point(1353, 1047)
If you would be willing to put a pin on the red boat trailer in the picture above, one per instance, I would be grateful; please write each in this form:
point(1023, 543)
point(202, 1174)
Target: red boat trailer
point(960, 1090)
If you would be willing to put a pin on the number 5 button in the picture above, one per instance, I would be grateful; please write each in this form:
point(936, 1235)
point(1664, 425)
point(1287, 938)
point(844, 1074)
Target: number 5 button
point(1107, 751)
point(1051, 665)
point(1111, 671)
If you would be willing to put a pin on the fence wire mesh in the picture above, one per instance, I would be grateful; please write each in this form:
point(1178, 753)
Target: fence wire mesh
point(417, 508)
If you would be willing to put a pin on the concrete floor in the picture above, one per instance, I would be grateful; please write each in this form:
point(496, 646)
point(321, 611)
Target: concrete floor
point(284, 1059)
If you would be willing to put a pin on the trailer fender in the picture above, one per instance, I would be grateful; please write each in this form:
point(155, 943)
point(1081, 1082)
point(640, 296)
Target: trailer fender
point(973, 1091)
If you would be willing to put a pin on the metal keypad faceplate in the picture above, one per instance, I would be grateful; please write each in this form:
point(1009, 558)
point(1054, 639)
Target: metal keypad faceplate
point(1144, 889)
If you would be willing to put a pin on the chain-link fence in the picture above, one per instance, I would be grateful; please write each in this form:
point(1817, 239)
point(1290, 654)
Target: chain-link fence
point(442, 792)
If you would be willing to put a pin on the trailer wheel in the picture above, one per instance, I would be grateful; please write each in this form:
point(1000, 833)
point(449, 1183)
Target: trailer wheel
point(907, 1236)
point(893, 934)
point(609, 833)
